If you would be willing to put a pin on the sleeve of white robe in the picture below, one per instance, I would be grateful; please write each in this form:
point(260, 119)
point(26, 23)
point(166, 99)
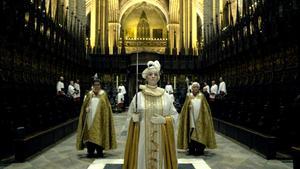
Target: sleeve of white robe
point(132, 106)
point(171, 110)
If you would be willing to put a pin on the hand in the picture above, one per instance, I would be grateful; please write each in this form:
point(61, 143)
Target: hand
point(135, 117)
point(87, 109)
point(158, 119)
point(190, 105)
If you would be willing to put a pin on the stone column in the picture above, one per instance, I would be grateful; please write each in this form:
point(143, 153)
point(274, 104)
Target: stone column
point(113, 24)
point(173, 25)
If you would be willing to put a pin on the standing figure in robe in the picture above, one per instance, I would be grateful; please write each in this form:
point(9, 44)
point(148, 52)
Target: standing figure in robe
point(120, 101)
point(169, 90)
point(222, 87)
point(195, 129)
point(122, 88)
point(60, 87)
point(96, 125)
point(151, 132)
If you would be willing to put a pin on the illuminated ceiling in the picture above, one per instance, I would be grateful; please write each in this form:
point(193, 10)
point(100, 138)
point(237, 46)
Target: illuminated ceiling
point(160, 4)
point(131, 17)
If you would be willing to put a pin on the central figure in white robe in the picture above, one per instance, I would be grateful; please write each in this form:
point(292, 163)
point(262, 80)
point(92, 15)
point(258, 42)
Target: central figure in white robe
point(151, 134)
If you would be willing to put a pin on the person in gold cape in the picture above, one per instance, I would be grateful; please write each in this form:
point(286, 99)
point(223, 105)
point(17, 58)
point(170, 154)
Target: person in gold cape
point(151, 139)
point(96, 125)
point(195, 128)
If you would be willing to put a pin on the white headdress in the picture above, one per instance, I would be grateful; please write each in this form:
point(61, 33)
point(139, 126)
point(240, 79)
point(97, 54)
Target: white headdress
point(151, 66)
point(195, 84)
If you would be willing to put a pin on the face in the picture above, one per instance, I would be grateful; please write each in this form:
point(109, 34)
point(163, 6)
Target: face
point(152, 77)
point(96, 87)
point(195, 89)
point(213, 82)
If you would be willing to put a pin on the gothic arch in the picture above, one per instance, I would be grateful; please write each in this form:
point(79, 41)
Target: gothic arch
point(158, 4)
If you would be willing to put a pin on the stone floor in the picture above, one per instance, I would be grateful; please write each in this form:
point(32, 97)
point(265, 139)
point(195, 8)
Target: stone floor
point(228, 155)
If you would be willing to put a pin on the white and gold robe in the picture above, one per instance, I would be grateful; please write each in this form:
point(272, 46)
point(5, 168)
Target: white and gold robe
point(196, 114)
point(96, 122)
point(156, 147)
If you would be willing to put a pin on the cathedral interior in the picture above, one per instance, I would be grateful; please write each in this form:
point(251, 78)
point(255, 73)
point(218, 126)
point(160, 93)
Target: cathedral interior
point(251, 44)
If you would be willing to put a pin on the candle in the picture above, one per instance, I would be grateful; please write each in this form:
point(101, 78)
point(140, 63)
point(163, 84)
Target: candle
point(117, 82)
point(174, 82)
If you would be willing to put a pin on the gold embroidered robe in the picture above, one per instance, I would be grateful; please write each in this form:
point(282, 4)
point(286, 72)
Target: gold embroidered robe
point(204, 130)
point(101, 131)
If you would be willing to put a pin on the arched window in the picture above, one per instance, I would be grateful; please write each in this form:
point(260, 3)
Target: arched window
point(143, 29)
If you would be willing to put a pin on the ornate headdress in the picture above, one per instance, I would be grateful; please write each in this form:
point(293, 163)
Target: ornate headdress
point(150, 67)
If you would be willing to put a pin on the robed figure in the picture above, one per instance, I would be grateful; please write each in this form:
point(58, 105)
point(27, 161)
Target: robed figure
point(96, 125)
point(151, 133)
point(195, 128)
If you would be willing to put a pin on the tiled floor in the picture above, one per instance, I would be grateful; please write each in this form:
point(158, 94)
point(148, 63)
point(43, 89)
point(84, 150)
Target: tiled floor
point(228, 155)
point(117, 164)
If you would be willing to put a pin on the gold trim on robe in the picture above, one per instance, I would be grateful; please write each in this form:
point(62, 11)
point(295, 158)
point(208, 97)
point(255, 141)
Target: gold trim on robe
point(102, 131)
point(152, 91)
point(132, 144)
point(170, 147)
point(153, 143)
point(204, 130)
